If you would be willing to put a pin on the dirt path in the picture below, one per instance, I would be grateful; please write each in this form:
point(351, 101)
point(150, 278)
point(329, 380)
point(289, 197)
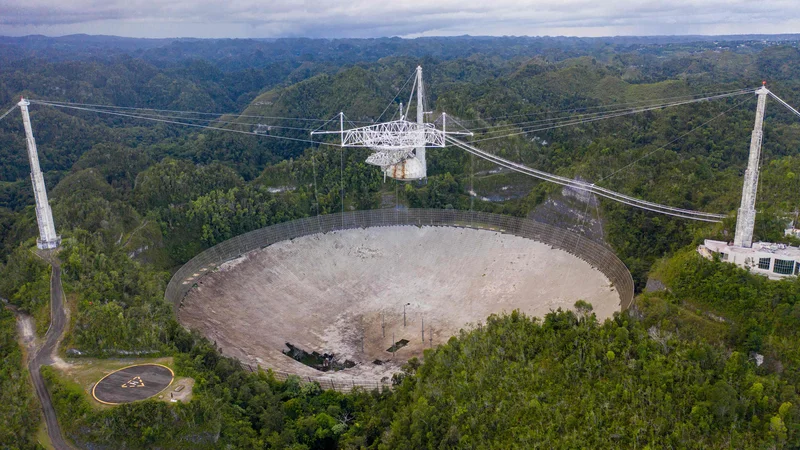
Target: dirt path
point(128, 241)
point(47, 354)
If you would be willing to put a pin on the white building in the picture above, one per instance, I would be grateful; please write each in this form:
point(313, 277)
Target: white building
point(772, 260)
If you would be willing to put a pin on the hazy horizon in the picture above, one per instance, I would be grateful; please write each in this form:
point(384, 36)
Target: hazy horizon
point(408, 19)
point(743, 35)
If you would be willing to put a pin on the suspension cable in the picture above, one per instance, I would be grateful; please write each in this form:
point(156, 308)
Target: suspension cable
point(174, 122)
point(193, 119)
point(794, 111)
point(8, 112)
point(525, 130)
point(395, 97)
point(589, 187)
point(326, 122)
point(550, 124)
point(610, 105)
point(411, 95)
point(672, 141)
point(601, 113)
point(90, 105)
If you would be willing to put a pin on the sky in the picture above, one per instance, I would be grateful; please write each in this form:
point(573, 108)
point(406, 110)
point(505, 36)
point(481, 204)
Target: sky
point(404, 18)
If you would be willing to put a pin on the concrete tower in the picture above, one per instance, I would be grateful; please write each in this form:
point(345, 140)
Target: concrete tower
point(48, 238)
point(747, 211)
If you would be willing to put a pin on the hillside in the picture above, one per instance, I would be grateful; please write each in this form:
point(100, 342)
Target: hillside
point(135, 199)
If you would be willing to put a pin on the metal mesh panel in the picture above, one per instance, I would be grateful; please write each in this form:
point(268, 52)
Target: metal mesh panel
point(597, 255)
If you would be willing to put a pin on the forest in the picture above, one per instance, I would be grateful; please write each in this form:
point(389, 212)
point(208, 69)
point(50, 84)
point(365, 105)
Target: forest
point(711, 361)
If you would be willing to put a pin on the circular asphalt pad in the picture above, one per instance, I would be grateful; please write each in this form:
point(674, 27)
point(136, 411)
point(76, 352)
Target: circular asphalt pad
point(132, 383)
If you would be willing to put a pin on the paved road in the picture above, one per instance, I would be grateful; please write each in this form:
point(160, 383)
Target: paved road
point(58, 320)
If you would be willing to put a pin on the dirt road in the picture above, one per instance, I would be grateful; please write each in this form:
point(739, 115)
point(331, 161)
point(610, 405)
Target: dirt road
point(46, 356)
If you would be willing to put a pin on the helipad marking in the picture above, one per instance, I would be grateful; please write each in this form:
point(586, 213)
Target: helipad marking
point(135, 382)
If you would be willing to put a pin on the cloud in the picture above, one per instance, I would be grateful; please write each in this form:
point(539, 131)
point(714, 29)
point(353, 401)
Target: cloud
point(370, 18)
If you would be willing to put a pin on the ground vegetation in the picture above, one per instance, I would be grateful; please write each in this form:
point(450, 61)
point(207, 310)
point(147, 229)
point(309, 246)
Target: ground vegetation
point(134, 200)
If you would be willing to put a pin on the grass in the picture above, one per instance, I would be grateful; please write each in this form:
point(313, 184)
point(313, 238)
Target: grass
point(42, 438)
point(71, 302)
point(41, 319)
point(689, 320)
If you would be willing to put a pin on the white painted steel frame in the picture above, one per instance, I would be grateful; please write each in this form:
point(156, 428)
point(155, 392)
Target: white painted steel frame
point(397, 135)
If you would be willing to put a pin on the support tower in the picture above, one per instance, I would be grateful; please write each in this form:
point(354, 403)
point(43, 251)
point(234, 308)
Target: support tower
point(747, 211)
point(48, 239)
point(420, 151)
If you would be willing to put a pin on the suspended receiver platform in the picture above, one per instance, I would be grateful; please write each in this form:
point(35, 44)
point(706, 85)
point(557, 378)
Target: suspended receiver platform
point(398, 145)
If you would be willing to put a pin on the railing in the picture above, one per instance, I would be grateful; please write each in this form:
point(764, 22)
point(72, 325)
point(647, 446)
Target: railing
point(598, 255)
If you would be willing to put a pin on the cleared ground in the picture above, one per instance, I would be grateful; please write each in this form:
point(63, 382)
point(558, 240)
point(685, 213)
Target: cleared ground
point(334, 292)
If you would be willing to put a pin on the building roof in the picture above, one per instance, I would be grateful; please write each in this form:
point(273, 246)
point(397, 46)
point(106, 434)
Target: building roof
point(758, 247)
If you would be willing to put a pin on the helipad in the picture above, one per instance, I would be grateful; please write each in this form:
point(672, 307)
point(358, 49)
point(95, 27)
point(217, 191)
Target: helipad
point(132, 383)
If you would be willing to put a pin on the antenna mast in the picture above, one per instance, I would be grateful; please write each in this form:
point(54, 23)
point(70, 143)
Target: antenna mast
point(420, 151)
point(48, 239)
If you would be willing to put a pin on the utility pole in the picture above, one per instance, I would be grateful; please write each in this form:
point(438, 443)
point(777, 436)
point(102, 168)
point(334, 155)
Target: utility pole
point(423, 331)
point(430, 335)
point(48, 239)
point(341, 163)
point(404, 314)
